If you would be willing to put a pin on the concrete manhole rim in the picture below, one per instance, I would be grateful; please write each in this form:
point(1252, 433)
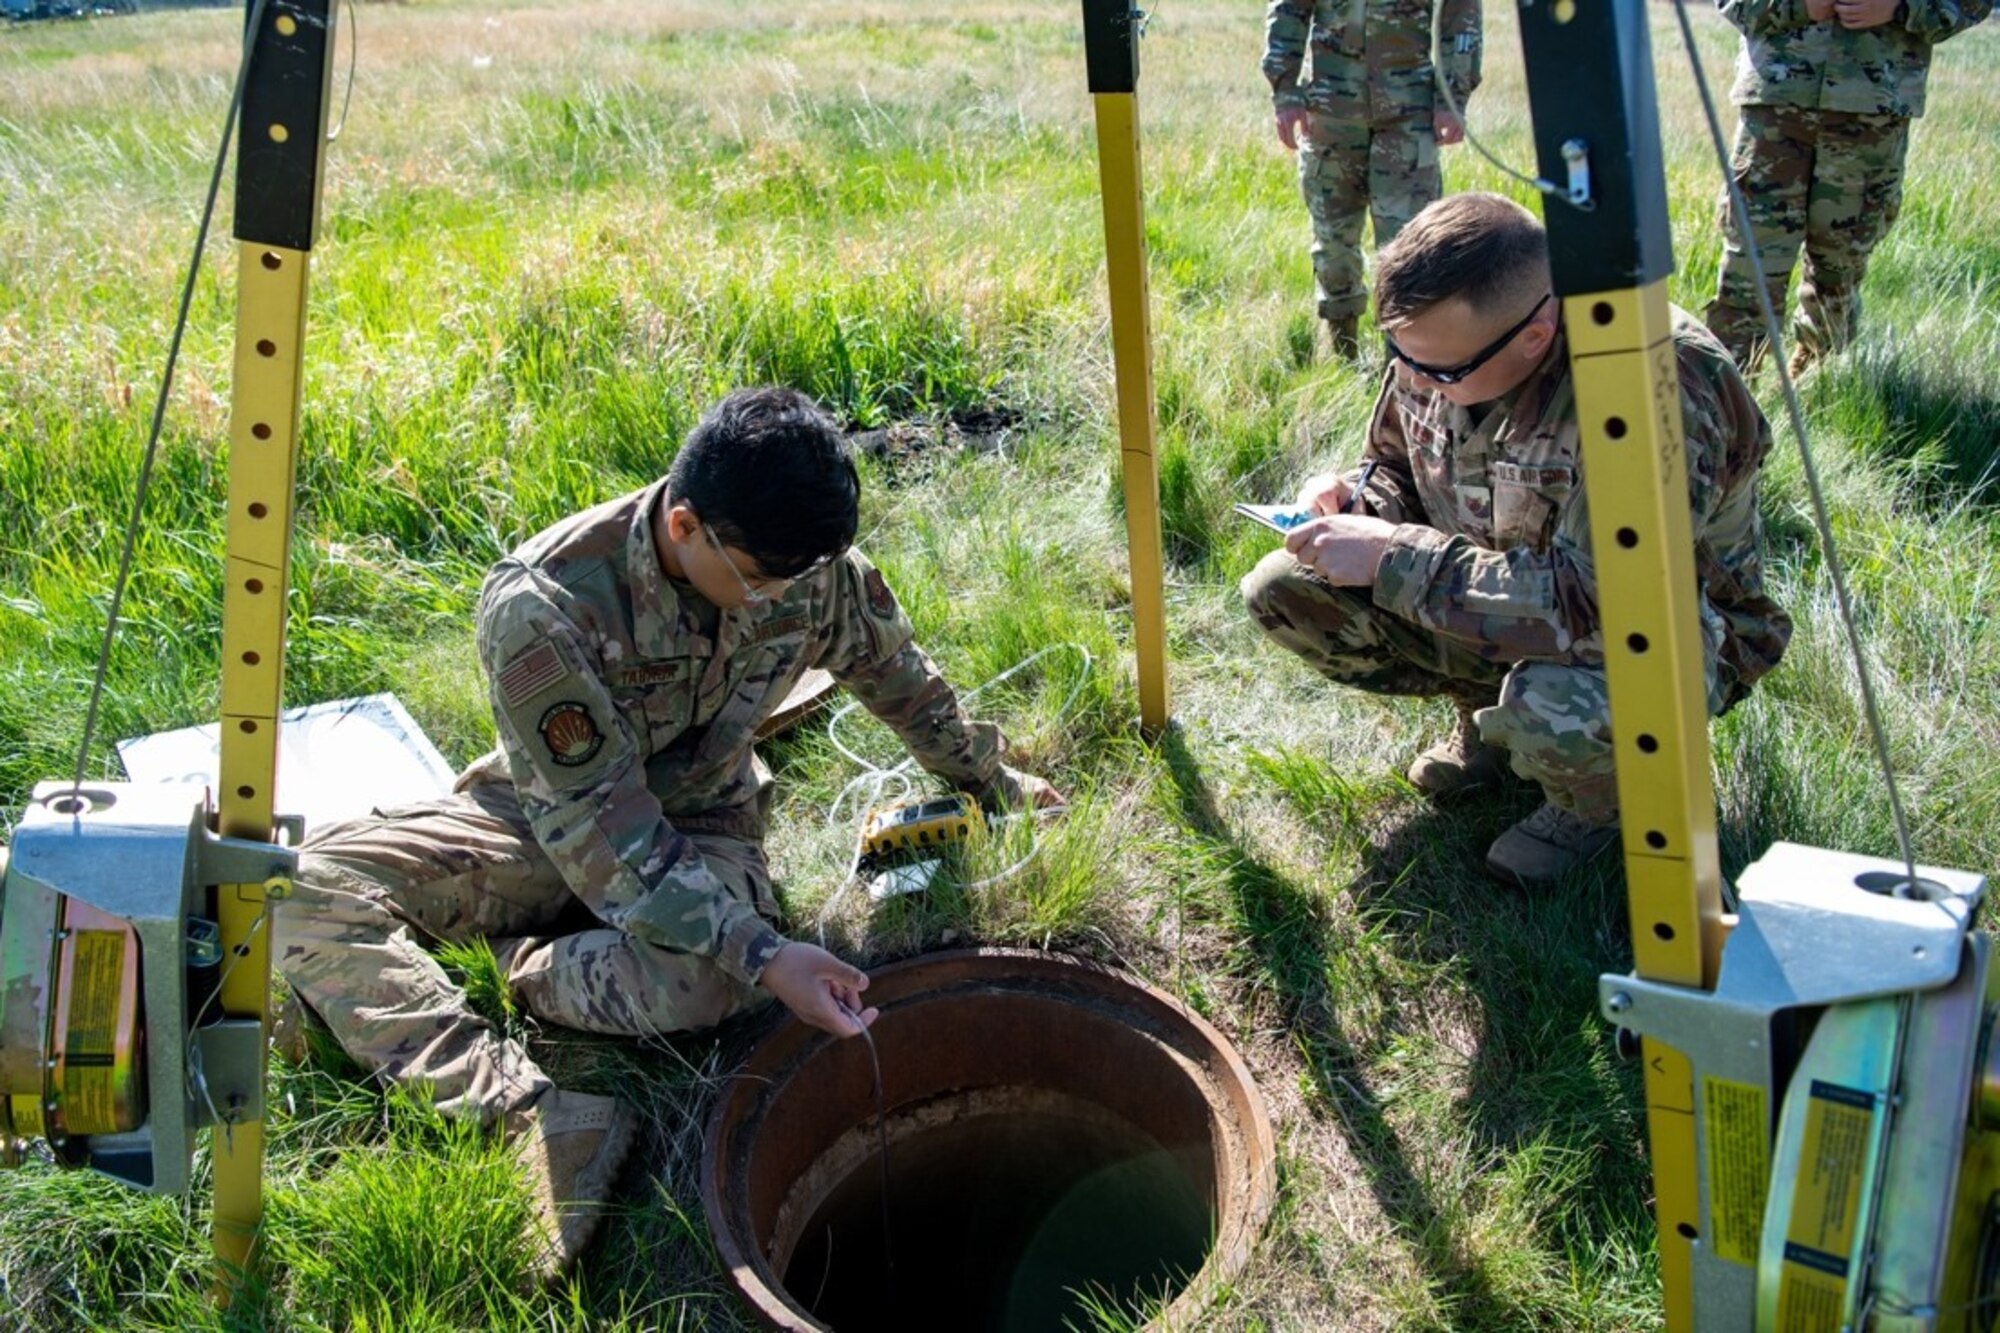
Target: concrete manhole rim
point(1238, 1121)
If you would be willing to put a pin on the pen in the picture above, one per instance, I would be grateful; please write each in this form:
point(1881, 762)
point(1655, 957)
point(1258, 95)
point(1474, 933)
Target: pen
point(1354, 496)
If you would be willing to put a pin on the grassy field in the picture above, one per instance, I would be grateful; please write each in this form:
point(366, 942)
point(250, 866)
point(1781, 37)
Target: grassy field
point(553, 232)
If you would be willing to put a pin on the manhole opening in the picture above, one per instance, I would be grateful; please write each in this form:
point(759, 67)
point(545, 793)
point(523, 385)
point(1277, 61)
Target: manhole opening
point(1066, 1148)
point(1016, 1210)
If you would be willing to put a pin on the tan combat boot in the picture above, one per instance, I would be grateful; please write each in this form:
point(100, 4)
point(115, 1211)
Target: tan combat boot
point(1545, 845)
point(570, 1146)
point(1461, 762)
point(1803, 359)
point(1343, 334)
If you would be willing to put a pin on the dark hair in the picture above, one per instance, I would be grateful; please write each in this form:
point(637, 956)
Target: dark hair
point(773, 476)
point(1484, 249)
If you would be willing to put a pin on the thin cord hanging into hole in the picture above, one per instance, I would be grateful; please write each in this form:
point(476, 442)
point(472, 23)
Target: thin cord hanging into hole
point(1774, 337)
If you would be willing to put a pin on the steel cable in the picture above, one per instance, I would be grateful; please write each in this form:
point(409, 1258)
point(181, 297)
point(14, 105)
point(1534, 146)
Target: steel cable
point(1774, 338)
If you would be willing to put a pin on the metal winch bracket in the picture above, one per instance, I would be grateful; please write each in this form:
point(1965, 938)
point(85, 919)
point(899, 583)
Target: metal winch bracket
point(1816, 928)
point(143, 854)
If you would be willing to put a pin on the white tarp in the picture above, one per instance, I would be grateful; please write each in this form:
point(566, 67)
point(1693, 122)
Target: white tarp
point(335, 760)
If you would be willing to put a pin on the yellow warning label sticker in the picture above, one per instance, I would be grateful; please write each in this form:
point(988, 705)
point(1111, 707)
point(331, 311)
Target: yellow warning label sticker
point(1737, 1150)
point(1826, 1208)
point(91, 1046)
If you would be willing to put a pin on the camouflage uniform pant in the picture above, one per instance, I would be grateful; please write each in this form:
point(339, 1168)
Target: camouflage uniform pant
point(1554, 720)
point(1830, 180)
point(372, 893)
point(1348, 170)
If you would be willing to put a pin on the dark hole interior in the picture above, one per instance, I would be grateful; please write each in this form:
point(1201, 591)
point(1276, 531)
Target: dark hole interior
point(998, 1222)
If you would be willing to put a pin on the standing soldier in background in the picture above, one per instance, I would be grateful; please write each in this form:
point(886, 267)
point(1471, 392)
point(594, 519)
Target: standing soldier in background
point(1366, 124)
point(1826, 91)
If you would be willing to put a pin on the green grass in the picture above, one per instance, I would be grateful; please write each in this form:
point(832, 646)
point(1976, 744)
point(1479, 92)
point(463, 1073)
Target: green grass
point(552, 233)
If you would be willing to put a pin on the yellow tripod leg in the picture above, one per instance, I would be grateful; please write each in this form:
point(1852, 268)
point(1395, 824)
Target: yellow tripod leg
point(1111, 31)
point(1132, 350)
point(263, 448)
point(1635, 475)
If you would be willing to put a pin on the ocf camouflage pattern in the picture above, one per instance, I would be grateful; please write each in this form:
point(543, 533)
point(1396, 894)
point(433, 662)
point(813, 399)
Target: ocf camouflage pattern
point(373, 895)
point(1830, 181)
point(611, 849)
point(1789, 60)
point(1494, 543)
point(675, 690)
point(1368, 148)
point(1552, 718)
point(1371, 59)
point(1487, 584)
point(1350, 171)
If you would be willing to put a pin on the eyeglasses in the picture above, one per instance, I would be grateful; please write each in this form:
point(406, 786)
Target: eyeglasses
point(1454, 374)
point(755, 591)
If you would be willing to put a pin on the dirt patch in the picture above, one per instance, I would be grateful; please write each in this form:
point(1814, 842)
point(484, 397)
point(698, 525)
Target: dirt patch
point(908, 450)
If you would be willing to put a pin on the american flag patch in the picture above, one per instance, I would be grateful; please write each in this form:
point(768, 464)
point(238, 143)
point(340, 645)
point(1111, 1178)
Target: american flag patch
point(531, 673)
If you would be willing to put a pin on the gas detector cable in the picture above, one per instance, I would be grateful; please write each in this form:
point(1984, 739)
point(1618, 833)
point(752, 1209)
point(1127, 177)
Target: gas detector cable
point(160, 402)
point(353, 59)
point(1877, 732)
point(874, 780)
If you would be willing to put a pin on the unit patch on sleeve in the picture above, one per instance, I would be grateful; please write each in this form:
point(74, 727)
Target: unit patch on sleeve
point(530, 673)
point(880, 600)
point(570, 733)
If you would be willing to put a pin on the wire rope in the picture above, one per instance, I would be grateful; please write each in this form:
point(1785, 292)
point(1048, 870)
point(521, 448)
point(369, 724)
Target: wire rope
point(1824, 525)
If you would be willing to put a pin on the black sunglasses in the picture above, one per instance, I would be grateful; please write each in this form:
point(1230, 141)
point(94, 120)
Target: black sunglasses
point(1453, 374)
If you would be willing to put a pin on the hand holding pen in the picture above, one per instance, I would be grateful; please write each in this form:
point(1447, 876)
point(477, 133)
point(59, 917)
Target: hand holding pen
point(1330, 493)
point(1360, 485)
point(1343, 547)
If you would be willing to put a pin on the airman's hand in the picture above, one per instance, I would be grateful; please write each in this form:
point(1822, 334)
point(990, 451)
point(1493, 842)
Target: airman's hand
point(1448, 128)
point(1325, 493)
point(1023, 790)
point(1343, 548)
point(1864, 13)
point(818, 988)
point(1291, 119)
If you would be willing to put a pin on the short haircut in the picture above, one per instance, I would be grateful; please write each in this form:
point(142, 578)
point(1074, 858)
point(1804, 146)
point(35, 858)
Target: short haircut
point(771, 474)
point(1483, 249)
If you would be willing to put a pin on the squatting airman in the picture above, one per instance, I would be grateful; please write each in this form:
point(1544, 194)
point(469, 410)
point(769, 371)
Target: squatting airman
point(1463, 566)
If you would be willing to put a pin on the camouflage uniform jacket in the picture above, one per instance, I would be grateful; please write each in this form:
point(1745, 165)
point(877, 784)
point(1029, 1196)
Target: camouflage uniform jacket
point(1493, 547)
point(1789, 60)
point(1371, 59)
point(621, 714)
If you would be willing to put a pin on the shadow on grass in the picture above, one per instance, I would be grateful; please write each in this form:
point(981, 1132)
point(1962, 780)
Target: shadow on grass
point(1290, 935)
point(1543, 1071)
point(1934, 420)
point(1540, 1069)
